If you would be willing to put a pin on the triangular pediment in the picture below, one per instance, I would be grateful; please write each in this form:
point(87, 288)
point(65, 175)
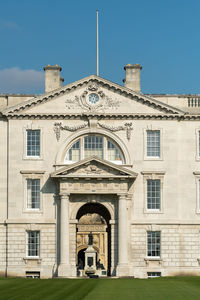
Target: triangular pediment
point(73, 99)
point(93, 167)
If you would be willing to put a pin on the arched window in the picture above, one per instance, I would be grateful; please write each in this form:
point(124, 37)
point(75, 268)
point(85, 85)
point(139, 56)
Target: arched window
point(94, 145)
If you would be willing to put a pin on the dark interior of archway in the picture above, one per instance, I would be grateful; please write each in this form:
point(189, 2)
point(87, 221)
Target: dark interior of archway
point(81, 258)
point(91, 208)
point(97, 208)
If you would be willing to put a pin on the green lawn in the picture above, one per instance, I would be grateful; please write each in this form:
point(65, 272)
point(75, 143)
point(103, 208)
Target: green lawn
point(171, 288)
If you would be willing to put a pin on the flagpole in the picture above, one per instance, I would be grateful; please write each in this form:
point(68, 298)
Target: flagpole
point(97, 43)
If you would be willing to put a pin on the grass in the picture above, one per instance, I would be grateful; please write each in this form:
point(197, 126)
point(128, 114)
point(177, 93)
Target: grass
point(168, 288)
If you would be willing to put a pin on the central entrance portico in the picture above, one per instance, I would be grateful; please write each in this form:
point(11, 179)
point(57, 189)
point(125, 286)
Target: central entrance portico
point(94, 218)
point(94, 180)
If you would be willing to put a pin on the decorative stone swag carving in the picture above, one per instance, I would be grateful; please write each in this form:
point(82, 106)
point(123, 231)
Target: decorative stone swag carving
point(58, 127)
point(127, 127)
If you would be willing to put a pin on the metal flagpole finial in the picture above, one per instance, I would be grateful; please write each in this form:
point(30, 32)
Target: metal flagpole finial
point(97, 42)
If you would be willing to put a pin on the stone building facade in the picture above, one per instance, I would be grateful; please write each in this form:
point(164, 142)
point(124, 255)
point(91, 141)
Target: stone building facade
point(94, 156)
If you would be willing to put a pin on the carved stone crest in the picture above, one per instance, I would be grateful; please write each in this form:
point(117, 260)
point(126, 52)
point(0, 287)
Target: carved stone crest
point(104, 102)
point(93, 169)
point(93, 87)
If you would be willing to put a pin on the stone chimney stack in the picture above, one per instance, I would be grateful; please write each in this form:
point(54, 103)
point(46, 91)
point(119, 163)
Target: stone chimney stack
point(53, 80)
point(132, 79)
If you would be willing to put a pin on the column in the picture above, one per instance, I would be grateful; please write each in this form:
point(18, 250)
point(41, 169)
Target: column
point(73, 256)
point(122, 268)
point(114, 247)
point(64, 267)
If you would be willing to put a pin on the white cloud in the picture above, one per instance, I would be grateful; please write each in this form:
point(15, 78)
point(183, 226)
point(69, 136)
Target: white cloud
point(15, 80)
point(9, 25)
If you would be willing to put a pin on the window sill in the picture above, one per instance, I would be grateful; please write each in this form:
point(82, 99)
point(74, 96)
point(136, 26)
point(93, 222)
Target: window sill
point(153, 258)
point(32, 211)
point(32, 158)
point(152, 158)
point(32, 258)
point(153, 211)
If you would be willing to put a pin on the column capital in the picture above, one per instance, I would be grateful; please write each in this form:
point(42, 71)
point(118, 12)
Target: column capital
point(64, 195)
point(73, 221)
point(122, 196)
point(112, 222)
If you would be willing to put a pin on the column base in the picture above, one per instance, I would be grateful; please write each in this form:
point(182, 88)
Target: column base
point(65, 270)
point(123, 270)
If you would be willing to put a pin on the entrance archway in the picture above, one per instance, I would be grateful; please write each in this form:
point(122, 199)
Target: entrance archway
point(94, 218)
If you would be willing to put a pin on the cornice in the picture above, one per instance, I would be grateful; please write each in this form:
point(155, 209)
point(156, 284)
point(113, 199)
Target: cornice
point(153, 172)
point(95, 116)
point(99, 116)
point(191, 117)
point(104, 83)
point(2, 117)
point(93, 159)
point(32, 172)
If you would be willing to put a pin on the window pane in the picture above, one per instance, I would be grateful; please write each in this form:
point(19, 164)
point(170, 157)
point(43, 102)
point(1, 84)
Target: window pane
point(73, 153)
point(199, 194)
point(199, 143)
point(113, 152)
point(93, 145)
point(153, 194)
point(153, 243)
point(33, 243)
point(33, 142)
point(153, 143)
point(153, 274)
point(33, 193)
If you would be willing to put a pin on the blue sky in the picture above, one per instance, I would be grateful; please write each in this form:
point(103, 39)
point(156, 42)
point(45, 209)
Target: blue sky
point(162, 35)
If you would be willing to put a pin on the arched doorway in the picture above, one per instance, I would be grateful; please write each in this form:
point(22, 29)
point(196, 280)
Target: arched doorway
point(94, 218)
point(81, 258)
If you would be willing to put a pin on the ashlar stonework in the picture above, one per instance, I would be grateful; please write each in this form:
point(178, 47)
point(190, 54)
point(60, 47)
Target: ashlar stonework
point(95, 157)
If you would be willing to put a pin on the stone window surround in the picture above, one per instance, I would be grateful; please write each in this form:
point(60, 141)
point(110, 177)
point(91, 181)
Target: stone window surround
point(154, 274)
point(197, 132)
point(153, 175)
point(32, 126)
point(105, 140)
point(27, 257)
point(33, 193)
point(63, 148)
point(158, 259)
point(32, 175)
point(151, 127)
point(153, 258)
point(197, 181)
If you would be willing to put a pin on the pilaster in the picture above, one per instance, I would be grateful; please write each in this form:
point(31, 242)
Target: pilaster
point(65, 269)
point(123, 265)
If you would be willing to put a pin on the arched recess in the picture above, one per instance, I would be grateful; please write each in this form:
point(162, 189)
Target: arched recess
point(103, 246)
point(62, 151)
point(94, 208)
point(78, 206)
